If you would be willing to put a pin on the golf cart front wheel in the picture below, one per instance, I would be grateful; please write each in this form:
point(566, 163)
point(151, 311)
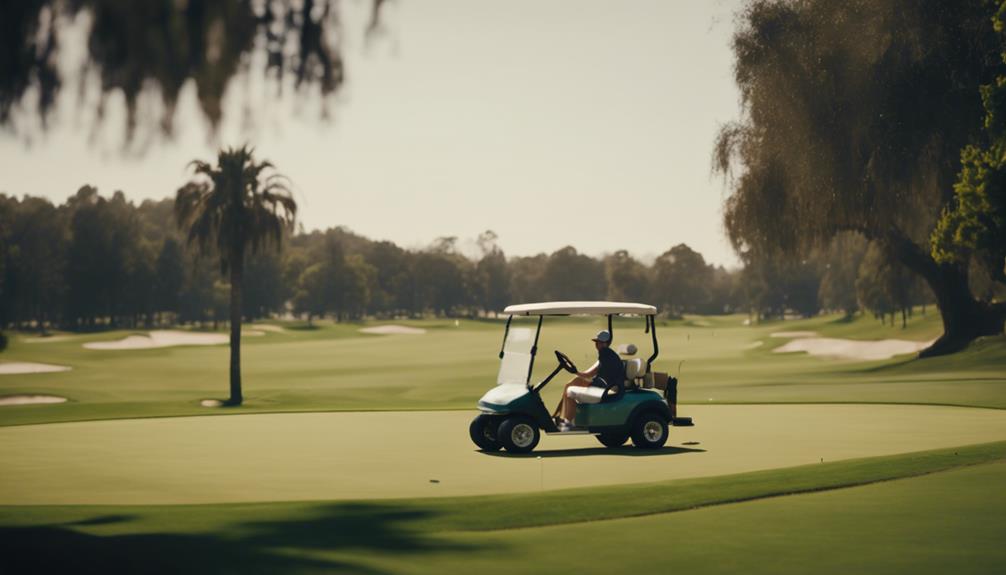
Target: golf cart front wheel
point(483, 432)
point(649, 431)
point(518, 434)
point(616, 439)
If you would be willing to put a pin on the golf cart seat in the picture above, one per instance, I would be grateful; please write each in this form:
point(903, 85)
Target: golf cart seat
point(634, 368)
point(585, 394)
point(594, 394)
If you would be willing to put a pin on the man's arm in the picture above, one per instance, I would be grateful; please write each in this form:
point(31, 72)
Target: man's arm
point(591, 372)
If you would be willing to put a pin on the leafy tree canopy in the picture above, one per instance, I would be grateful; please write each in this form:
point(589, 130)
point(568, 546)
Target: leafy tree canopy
point(854, 116)
point(976, 221)
point(160, 45)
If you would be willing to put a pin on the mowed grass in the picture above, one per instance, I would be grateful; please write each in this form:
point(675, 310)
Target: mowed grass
point(927, 512)
point(395, 455)
point(335, 367)
point(932, 512)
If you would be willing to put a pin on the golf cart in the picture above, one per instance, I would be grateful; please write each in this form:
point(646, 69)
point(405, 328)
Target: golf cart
point(513, 414)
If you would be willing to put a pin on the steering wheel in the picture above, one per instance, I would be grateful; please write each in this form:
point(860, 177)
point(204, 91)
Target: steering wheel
point(565, 362)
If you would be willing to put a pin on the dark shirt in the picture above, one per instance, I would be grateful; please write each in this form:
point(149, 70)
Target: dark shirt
point(611, 369)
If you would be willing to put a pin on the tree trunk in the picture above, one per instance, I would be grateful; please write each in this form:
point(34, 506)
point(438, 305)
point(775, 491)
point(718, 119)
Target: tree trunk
point(236, 265)
point(965, 318)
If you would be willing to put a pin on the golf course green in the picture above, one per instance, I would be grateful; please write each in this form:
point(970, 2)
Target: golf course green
point(366, 455)
point(351, 454)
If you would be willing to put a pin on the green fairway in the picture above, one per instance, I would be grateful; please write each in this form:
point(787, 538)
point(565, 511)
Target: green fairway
point(334, 367)
point(938, 524)
point(404, 491)
point(921, 524)
point(414, 454)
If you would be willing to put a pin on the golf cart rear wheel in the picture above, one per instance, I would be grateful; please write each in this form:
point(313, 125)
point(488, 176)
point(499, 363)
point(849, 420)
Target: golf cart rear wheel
point(518, 434)
point(483, 432)
point(649, 431)
point(615, 439)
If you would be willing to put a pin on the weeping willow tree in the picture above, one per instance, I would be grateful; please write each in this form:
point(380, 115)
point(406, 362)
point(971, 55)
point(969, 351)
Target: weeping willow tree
point(157, 46)
point(854, 117)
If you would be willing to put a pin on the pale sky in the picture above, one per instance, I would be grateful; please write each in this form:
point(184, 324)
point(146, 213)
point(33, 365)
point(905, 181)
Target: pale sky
point(577, 122)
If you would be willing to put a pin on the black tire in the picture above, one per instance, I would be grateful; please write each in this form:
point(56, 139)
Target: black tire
point(483, 432)
point(518, 434)
point(645, 430)
point(613, 439)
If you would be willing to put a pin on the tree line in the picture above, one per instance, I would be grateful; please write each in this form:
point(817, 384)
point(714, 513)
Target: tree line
point(97, 262)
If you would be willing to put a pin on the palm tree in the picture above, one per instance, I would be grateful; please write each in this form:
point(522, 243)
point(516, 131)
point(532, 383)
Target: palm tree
point(229, 209)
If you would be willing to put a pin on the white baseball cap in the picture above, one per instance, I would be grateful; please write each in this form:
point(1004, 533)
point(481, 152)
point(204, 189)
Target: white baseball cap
point(603, 336)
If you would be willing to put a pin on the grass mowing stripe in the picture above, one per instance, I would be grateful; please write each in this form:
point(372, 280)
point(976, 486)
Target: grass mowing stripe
point(245, 410)
point(593, 504)
point(497, 512)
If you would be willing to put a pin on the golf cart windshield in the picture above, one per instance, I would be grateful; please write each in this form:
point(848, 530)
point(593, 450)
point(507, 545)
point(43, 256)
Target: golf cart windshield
point(516, 354)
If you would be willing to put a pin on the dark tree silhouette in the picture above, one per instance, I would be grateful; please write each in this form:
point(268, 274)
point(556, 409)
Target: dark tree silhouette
point(160, 45)
point(974, 226)
point(841, 268)
point(681, 280)
point(492, 278)
point(170, 277)
point(569, 275)
point(232, 209)
point(627, 278)
point(3, 273)
point(854, 117)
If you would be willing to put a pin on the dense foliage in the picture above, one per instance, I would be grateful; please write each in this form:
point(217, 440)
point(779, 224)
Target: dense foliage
point(975, 223)
point(854, 116)
point(96, 262)
point(154, 48)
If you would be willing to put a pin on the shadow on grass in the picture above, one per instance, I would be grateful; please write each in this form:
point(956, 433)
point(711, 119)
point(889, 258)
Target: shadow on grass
point(844, 320)
point(303, 545)
point(627, 451)
point(906, 361)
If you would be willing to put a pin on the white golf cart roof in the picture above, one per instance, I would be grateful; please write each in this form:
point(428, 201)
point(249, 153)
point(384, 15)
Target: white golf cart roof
point(580, 308)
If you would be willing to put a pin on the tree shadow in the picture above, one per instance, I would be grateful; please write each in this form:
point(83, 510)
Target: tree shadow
point(845, 319)
point(908, 360)
point(303, 545)
point(625, 451)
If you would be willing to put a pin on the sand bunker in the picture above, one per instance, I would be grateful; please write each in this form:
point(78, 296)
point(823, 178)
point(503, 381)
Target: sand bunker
point(792, 334)
point(29, 399)
point(393, 330)
point(753, 345)
point(852, 349)
point(162, 338)
point(20, 368)
point(211, 403)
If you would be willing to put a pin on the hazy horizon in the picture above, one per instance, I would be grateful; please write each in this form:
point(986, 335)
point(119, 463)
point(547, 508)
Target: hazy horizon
point(587, 124)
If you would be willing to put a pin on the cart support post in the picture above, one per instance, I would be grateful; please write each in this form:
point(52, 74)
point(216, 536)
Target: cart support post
point(534, 351)
point(506, 332)
point(652, 322)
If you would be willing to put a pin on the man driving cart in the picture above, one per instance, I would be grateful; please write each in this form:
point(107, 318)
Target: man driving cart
point(607, 370)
